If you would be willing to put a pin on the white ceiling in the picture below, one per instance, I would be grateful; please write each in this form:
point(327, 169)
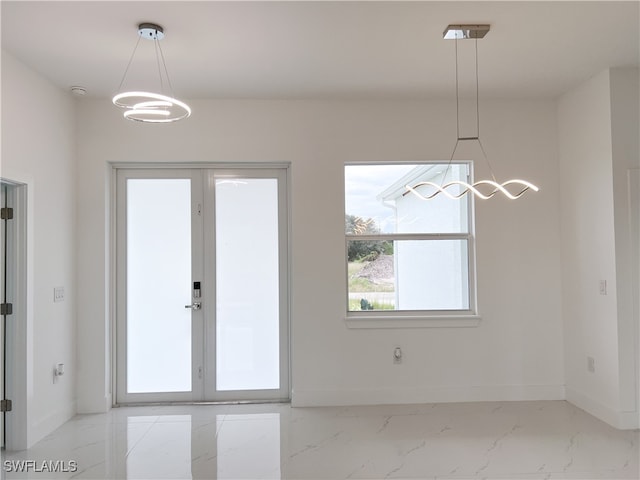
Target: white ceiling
point(323, 49)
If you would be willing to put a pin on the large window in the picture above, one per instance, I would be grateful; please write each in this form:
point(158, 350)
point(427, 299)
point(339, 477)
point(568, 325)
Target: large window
point(406, 255)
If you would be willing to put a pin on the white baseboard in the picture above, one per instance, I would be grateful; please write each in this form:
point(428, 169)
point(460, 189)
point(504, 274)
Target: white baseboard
point(485, 393)
point(43, 427)
point(100, 405)
point(620, 420)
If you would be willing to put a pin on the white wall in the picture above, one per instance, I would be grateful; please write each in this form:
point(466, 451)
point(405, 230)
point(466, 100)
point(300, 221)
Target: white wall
point(595, 243)
point(38, 148)
point(515, 353)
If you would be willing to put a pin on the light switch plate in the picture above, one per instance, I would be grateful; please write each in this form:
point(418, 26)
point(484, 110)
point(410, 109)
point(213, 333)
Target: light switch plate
point(603, 287)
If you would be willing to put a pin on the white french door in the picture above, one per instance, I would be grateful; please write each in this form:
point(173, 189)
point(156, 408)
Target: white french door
point(202, 288)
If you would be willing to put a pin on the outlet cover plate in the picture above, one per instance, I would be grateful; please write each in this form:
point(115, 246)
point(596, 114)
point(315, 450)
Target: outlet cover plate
point(58, 294)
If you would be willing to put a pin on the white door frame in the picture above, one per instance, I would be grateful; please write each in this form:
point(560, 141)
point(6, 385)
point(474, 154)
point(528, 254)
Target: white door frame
point(633, 181)
point(285, 262)
point(19, 324)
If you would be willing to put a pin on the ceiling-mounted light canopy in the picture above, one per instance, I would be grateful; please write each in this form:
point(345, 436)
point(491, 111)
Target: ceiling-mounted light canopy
point(462, 32)
point(145, 106)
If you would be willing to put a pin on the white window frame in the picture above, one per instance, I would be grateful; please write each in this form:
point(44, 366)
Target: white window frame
point(420, 318)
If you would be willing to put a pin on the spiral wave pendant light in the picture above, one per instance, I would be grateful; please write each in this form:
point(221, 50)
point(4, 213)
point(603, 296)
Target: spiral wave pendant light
point(483, 189)
point(145, 106)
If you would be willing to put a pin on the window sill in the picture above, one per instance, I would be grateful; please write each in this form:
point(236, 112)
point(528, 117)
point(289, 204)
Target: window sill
point(399, 321)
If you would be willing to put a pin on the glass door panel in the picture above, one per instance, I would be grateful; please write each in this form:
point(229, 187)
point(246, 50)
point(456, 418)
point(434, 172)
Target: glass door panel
point(247, 284)
point(158, 340)
point(246, 267)
point(158, 285)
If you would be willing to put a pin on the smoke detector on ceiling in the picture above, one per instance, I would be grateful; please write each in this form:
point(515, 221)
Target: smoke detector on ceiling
point(78, 91)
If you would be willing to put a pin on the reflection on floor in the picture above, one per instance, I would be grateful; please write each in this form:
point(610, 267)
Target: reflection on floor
point(506, 440)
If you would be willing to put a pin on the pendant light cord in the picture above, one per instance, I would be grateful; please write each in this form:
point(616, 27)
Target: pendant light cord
point(156, 45)
point(446, 172)
point(484, 154)
point(457, 95)
point(477, 94)
point(126, 70)
point(159, 60)
point(166, 72)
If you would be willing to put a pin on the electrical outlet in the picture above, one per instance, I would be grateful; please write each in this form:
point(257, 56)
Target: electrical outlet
point(397, 355)
point(58, 294)
point(591, 365)
point(58, 371)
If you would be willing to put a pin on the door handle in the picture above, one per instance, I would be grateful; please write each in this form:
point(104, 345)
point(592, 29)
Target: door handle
point(194, 306)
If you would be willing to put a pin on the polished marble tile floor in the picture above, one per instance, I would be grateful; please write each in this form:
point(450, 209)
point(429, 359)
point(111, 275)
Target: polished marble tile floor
point(502, 440)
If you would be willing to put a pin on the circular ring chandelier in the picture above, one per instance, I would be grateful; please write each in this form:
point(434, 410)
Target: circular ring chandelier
point(149, 107)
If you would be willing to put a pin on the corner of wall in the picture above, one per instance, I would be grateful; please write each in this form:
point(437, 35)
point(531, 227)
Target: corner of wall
point(597, 141)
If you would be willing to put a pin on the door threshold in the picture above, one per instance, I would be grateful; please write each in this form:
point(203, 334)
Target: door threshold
point(203, 402)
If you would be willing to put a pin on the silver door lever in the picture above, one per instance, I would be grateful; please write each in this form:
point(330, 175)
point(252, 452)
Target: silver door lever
point(194, 306)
